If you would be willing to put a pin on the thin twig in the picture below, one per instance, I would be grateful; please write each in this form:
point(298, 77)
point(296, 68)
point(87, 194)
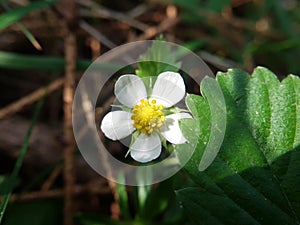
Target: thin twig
point(91, 188)
point(102, 38)
point(237, 23)
point(105, 13)
point(70, 51)
point(138, 10)
point(155, 30)
point(98, 114)
point(55, 173)
point(96, 34)
point(102, 12)
point(31, 98)
point(68, 95)
point(220, 63)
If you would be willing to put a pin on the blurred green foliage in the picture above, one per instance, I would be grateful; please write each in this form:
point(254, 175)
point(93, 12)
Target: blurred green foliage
point(266, 32)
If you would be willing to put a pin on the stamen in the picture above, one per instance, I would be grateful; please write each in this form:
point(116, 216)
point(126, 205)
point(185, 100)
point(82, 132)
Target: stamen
point(147, 116)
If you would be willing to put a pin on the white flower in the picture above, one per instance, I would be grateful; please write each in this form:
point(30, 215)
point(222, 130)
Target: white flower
point(146, 115)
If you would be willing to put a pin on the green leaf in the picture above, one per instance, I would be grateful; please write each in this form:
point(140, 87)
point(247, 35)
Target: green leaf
point(15, 15)
point(212, 92)
point(200, 200)
point(158, 199)
point(152, 63)
point(255, 178)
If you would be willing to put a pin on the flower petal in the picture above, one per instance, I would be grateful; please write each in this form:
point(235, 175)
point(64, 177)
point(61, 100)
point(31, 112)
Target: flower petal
point(168, 89)
point(117, 125)
point(171, 130)
point(130, 89)
point(146, 148)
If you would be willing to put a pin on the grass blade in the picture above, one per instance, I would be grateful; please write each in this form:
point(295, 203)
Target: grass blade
point(45, 63)
point(11, 17)
point(20, 159)
point(25, 31)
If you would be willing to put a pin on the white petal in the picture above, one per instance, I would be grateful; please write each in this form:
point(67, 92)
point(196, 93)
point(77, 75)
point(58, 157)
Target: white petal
point(117, 125)
point(171, 130)
point(130, 89)
point(168, 89)
point(146, 148)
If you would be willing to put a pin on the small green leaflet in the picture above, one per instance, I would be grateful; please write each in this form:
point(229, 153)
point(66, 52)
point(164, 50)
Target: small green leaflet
point(154, 61)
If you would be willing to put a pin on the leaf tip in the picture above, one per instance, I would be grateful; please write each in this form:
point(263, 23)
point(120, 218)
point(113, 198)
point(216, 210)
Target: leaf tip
point(260, 67)
point(219, 73)
point(293, 76)
point(202, 167)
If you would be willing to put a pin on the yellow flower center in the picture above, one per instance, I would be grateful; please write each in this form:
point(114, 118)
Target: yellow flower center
point(147, 116)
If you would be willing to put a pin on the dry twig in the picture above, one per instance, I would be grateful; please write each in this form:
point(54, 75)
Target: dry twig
point(155, 30)
point(55, 173)
point(102, 12)
point(68, 10)
point(68, 93)
point(89, 114)
point(94, 188)
point(96, 34)
point(31, 98)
